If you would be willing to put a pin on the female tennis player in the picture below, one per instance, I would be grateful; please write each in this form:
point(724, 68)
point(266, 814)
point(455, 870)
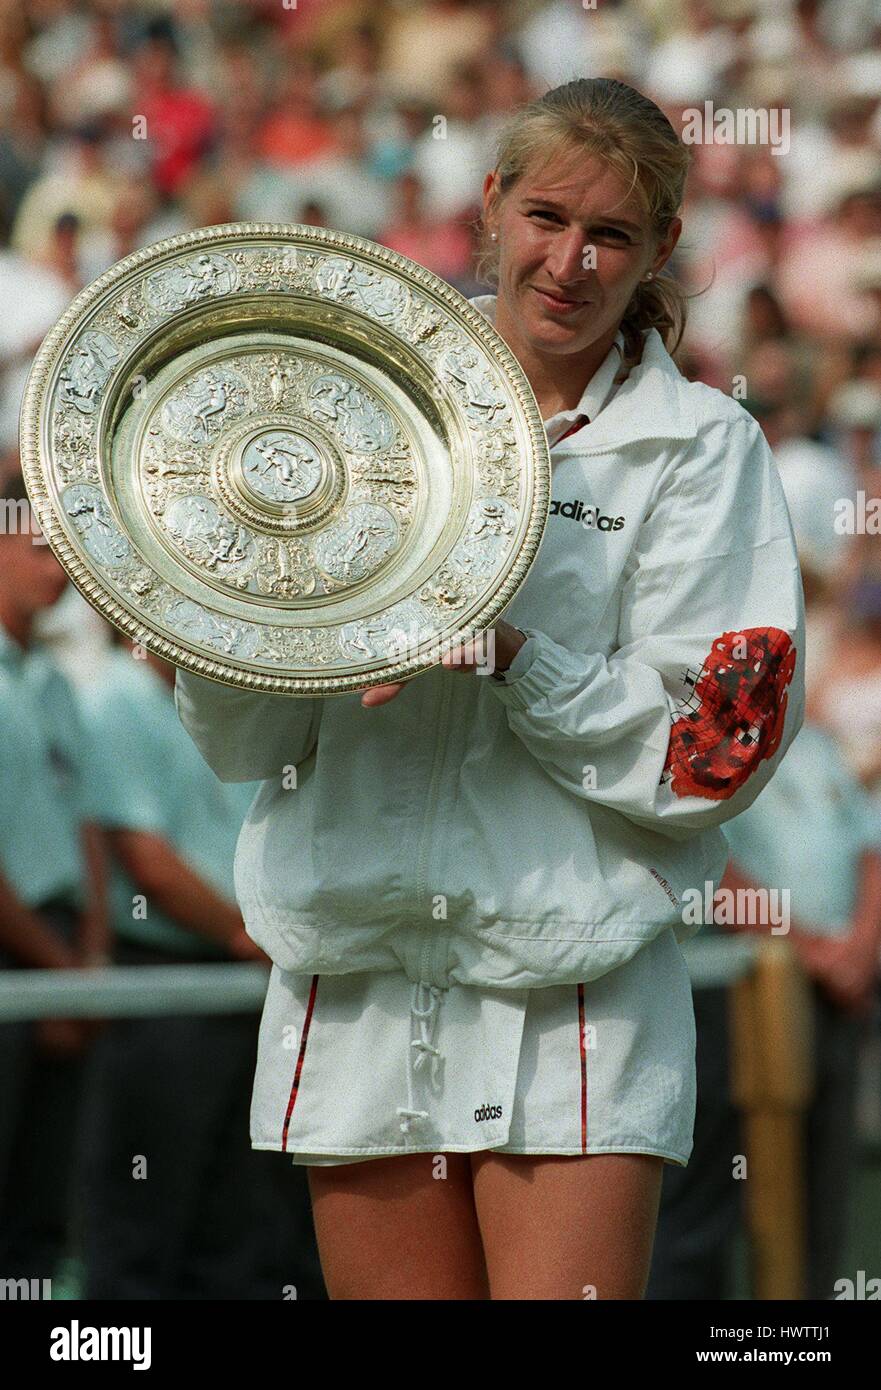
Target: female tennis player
point(478, 1032)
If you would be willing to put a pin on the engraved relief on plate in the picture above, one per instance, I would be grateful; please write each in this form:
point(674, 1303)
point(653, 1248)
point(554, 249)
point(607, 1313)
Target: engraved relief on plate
point(281, 466)
point(199, 408)
point(187, 281)
point(382, 296)
point(278, 371)
point(488, 535)
point(87, 370)
point(501, 465)
point(446, 592)
point(358, 543)
point(468, 372)
point(195, 623)
point(386, 636)
point(275, 471)
point(88, 510)
point(286, 570)
point(354, 416)
point(208, 537)
point(224, 476)
point(72, 443)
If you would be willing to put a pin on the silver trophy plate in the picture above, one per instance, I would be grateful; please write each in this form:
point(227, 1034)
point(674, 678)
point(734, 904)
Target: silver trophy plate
point(285, 458)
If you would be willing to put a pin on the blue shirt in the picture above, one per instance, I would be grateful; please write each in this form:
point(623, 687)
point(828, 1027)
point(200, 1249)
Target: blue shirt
point(150, 777)
point(45, 775)
point(806, 832)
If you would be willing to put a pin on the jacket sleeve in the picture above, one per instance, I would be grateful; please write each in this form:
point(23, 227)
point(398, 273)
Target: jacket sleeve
point(245, 736)
point(681, 726)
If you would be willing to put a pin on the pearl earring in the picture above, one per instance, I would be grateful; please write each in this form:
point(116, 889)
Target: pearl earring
point(651, 275)
point(493, 236)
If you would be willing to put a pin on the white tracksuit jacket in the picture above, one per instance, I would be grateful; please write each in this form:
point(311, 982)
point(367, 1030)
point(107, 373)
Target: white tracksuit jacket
point(539, 831)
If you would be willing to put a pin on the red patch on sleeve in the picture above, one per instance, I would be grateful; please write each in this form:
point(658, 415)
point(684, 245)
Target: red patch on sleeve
point(733, 719)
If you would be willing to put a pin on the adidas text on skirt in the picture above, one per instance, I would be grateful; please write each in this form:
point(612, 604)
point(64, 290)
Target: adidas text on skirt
point(368, 1065)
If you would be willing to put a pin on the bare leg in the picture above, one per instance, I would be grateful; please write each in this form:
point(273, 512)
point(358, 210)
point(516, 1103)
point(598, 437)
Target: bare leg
point(560, 1227)
point(399, 1228)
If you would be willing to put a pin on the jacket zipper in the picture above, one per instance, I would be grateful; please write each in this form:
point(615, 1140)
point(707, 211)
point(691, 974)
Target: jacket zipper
point(433, 786)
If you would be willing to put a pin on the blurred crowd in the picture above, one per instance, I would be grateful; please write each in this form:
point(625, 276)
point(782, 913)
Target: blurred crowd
point(126, 121)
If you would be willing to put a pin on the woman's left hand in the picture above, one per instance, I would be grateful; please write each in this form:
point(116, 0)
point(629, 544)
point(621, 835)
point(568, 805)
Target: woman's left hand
point(495, 648)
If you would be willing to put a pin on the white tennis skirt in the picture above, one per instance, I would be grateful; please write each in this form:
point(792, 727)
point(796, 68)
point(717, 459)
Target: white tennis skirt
point(368, 1065)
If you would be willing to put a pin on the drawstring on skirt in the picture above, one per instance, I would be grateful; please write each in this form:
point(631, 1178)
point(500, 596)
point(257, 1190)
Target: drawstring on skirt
point(425, 1018)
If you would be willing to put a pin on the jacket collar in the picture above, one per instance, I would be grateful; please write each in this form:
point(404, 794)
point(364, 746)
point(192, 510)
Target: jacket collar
point(653, 403)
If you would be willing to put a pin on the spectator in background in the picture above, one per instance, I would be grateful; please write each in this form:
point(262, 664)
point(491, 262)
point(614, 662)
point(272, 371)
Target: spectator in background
point(847, 702)
point(23, 136)
point(97, 83)
point(452, 154)
point(815, 833)
point(75, 635)
point(810, 48)
point(63, 35)
point(99, 250)
point(33, 299)
point(553, 42)
point(315, 26)
point(506, 87)
point(429, 40)
point(52, 903)
point(694, 58)
point(397, 135)
point(817, 479)
point(355, 76)
point(296, 130)
point(62, 254)
point(816, 274)
point(313, 215)
point(444, 247)
point(778, 390)
point(356, 199)
point(180, 122)
point(83, 184)
point(854, 423)
point(763, 320)
point(202, 1220)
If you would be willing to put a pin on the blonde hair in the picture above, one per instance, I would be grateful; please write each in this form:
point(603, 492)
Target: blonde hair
point(599, 116)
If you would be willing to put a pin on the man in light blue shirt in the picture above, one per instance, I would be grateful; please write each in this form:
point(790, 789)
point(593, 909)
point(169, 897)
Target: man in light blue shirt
point(210, 1215)
point(52, 909)
point(807, 832)
point(172, 824)
point(813, 832)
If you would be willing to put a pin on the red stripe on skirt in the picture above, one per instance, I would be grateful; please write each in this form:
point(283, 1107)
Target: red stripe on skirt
point(292, 1100)
point(583, 1053)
